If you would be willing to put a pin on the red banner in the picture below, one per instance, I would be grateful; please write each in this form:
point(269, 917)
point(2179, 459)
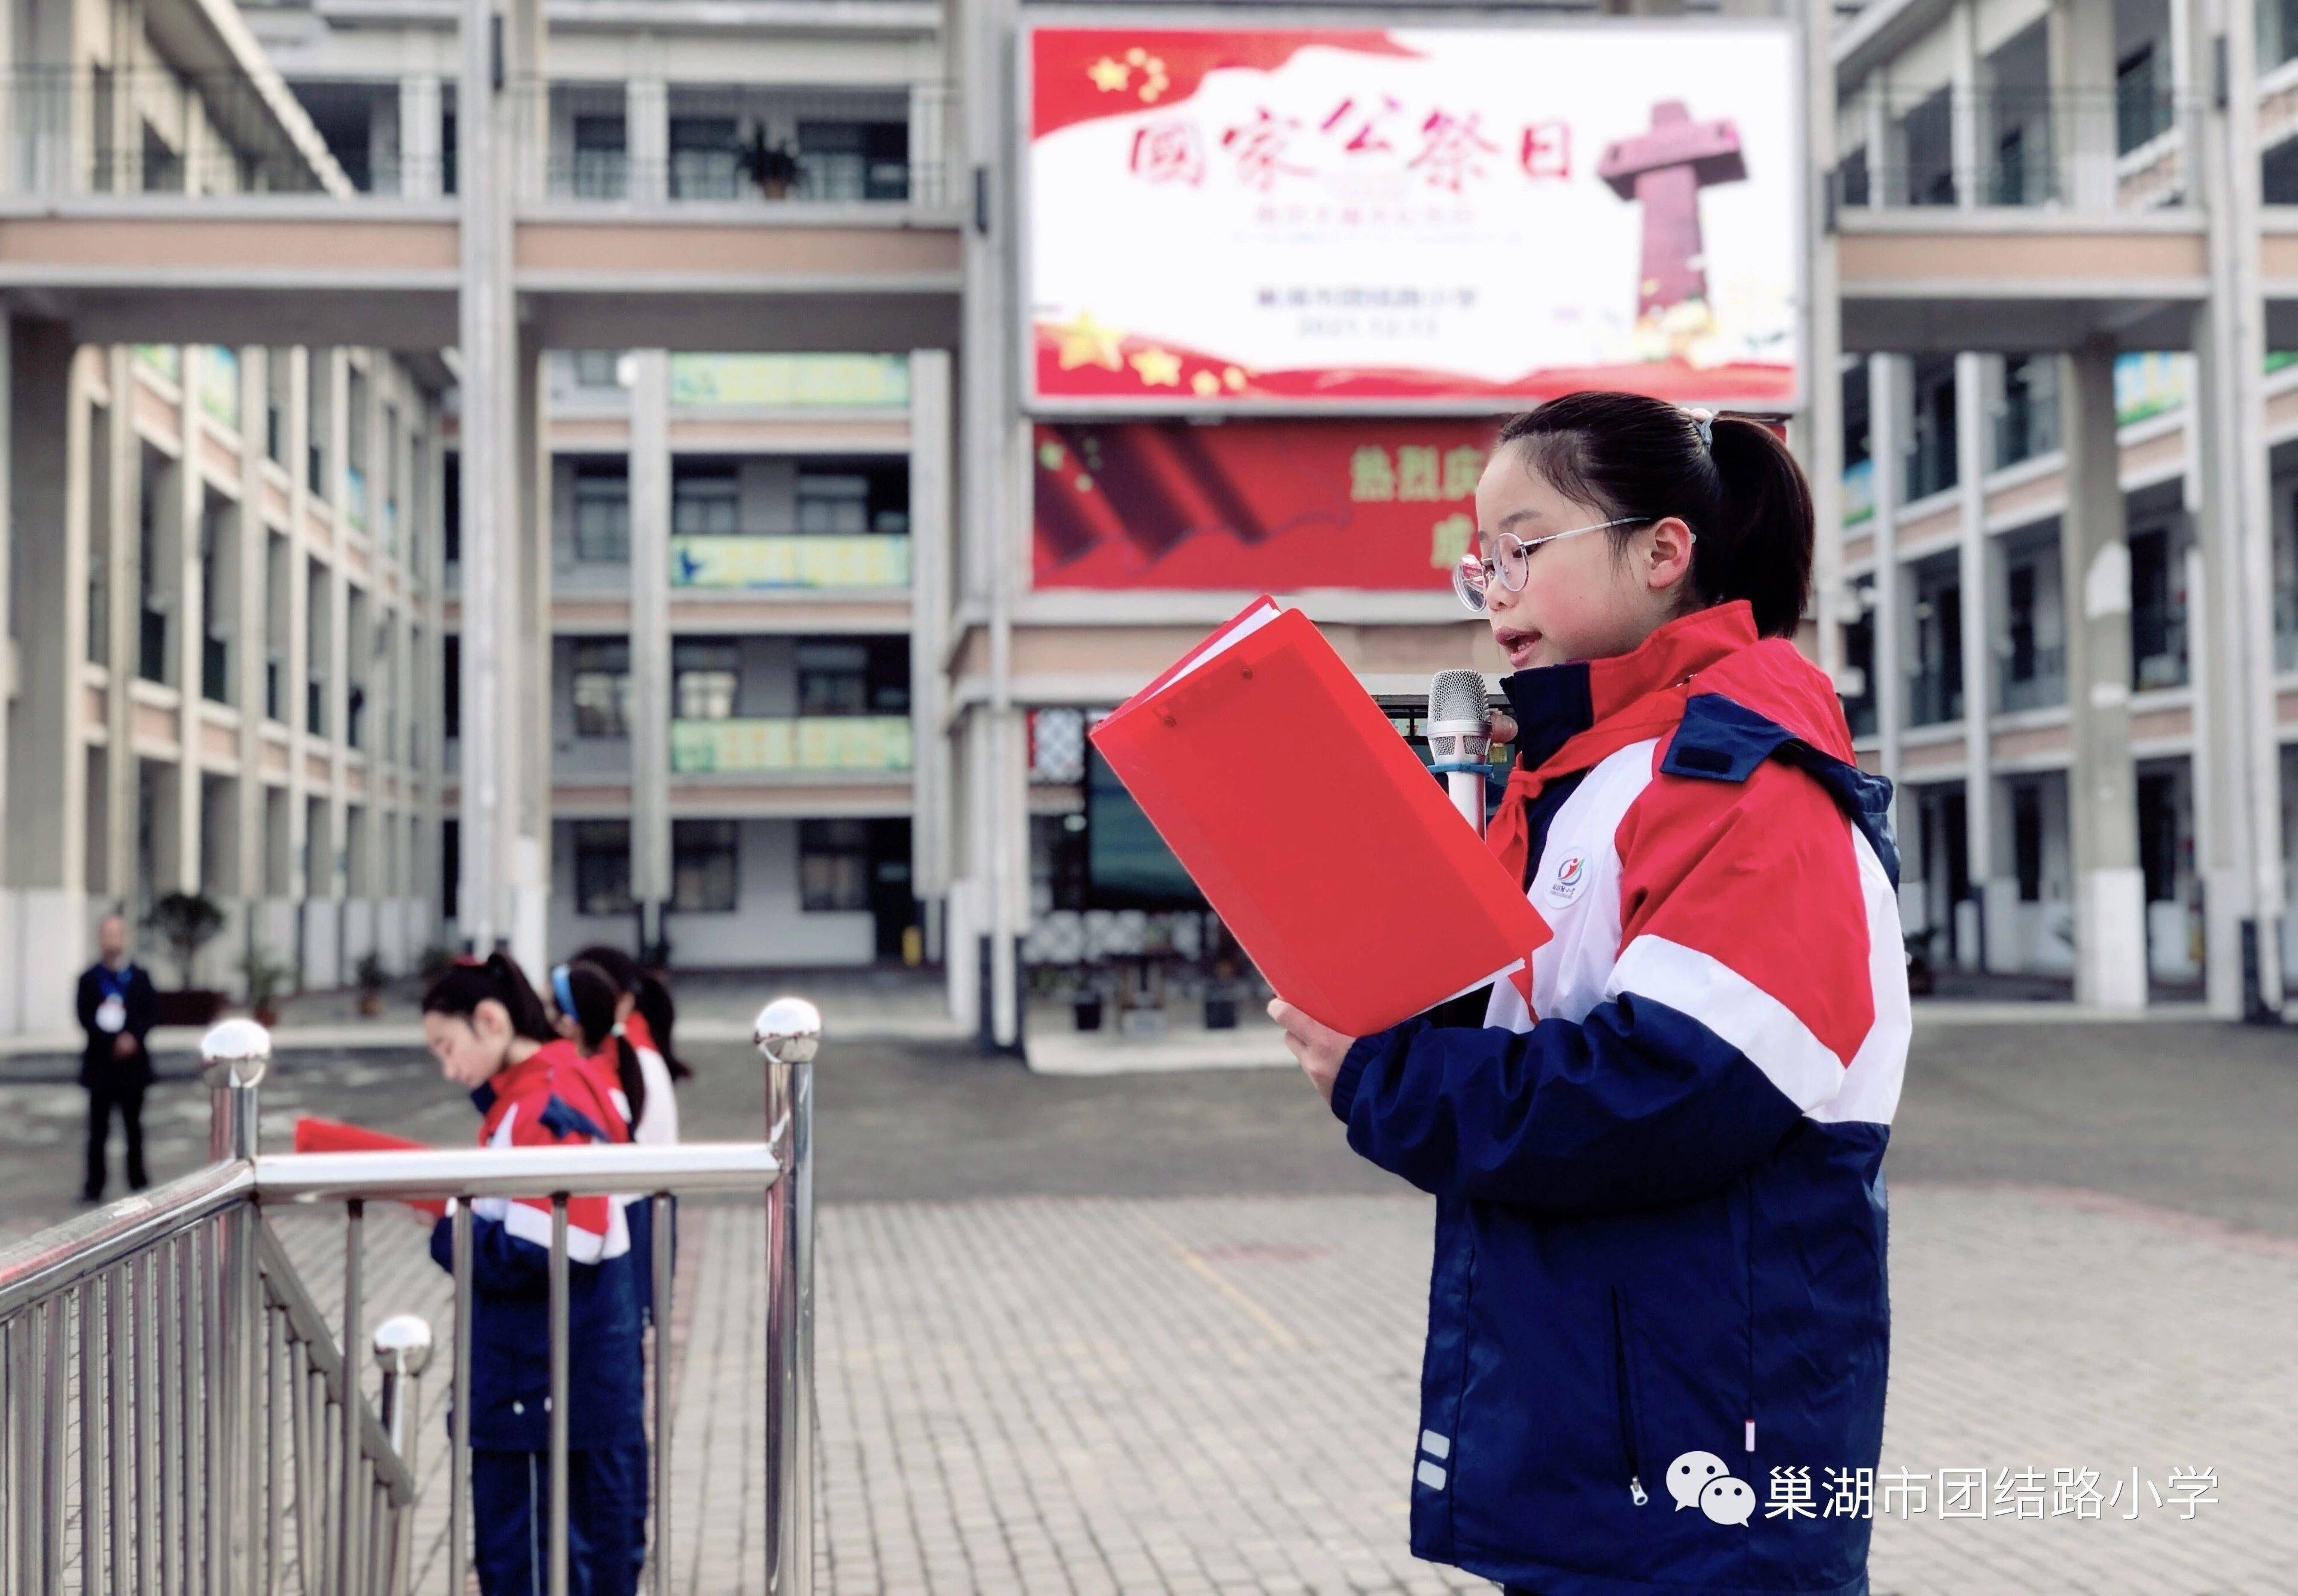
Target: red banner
point(1276, 505)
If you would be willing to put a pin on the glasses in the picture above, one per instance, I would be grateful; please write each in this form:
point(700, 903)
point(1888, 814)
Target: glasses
point(1511, 561)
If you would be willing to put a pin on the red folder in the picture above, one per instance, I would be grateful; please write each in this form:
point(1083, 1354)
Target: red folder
point(1313, 830)
point(314, 1135)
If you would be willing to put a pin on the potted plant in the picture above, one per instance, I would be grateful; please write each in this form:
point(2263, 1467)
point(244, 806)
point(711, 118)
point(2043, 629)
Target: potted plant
point(772, 165)
point(265, 978)
point(435, 961)
point(372, 978)
point(187, 921)
point(1220, 995)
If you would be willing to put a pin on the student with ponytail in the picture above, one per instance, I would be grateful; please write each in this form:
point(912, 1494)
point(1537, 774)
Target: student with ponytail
point(1657, 1151)
point(645, 1016)
point(491, 1034)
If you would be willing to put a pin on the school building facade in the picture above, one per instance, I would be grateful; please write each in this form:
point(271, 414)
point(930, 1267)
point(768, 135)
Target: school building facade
point(584, 447)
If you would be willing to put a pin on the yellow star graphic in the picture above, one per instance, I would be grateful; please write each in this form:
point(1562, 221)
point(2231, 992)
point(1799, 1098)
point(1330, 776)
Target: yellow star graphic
point(1205, 385)
point(1085, 342)
point(1108, 76)
point(1159, 367)
point(1234, 378)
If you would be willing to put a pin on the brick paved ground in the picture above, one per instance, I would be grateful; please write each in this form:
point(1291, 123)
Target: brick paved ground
point(1084, 1335)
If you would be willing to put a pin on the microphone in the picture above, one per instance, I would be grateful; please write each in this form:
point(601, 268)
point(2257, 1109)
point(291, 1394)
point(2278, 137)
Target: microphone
point(1460, 740)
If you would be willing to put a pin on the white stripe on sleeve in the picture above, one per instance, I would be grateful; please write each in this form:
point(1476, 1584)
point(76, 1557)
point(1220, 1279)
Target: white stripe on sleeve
point(1736, 1009)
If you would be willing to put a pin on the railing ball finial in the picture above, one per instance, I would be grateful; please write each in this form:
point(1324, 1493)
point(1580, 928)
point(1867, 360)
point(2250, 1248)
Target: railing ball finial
point(239, 1049)
point(404, 1343)
point(788, 1032)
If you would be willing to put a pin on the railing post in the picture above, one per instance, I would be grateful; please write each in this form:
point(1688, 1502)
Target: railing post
point(235, 1056)
point(402, 1349)
point(788, 1033)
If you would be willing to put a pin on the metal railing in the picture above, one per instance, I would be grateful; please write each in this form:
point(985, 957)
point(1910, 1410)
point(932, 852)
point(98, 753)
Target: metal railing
point(2081, 149)
point(80, 130)
point(176, 1416)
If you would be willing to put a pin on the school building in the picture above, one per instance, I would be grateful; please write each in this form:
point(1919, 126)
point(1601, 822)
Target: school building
point(557, 471)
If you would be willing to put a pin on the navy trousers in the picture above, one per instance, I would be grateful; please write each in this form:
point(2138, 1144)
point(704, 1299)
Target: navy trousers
point(606, 1520)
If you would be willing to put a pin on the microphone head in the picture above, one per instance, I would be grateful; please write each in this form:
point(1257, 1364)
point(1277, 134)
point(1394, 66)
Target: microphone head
point(1457, 735)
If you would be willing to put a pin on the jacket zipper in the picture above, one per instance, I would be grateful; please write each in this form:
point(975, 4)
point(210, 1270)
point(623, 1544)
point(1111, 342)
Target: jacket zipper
point(1626, 1403)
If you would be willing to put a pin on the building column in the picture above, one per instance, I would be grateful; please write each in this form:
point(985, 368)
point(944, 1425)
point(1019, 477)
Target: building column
point(527, 746)
point(651, 686)
point(1964, 130)
point(115, 540)
point(45, 852)
point(1980, 616)
point(1889, 402)
point(248, 659)
point(930, 484)
point(2109, 891)
point(2081, 76)
point(646, 122)
point(191, 629)
point(2237, 770)
point(1820, 446)
point(421, 162)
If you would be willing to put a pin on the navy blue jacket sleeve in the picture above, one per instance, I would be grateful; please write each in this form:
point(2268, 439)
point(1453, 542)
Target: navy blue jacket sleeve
point(502, 1264)
point(1637, 1106)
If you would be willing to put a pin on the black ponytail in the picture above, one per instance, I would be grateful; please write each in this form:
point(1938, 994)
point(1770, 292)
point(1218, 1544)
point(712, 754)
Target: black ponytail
point(498, 979)
point(648, 994)
point(1630, 456)
point(594, 992)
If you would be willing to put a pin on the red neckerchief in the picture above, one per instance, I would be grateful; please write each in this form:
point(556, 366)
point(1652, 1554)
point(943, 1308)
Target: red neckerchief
point(1632, 697)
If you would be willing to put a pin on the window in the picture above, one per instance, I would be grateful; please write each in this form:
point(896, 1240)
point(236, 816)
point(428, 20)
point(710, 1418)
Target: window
point(602, 867)
point(597, 367)
point(705, 501)
point(706, 681)
point(217, 603)
point(451, 686)
point(164, 168)
point(601, 159)
point(391, 476)
point(703, 865)
point(1931, 464)
point(833, 679)
point(602, 689)
point(2141, 109)
point(451, 509)
point(276, 372)
point(1859, 662)
point(702, 158)
point(832, 504)
point(1853, 185)
point(2027, 839)
point(602, 513)
point(2029, 425)
point(152, 638)
point(1936, 686)
point(833, 866)
point(2158, 610)
point(450, 864)
point(853, 161)
point(1927, 136)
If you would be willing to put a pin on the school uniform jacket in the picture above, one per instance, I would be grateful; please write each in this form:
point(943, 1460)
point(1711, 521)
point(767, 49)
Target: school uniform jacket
point(557, 1098)
point(1660, 1225)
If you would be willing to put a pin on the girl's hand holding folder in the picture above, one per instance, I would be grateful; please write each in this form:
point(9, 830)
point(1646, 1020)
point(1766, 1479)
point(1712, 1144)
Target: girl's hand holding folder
point(1317, 1048)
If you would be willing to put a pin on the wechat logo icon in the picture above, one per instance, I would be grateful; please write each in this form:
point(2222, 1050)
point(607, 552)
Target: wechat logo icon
point(1698, 1479)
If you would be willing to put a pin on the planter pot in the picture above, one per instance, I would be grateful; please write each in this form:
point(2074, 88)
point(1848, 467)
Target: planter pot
point(1088, 1012)
point(370, 1003)
point(775, 188)
point(1220, 1012)
point(267, 1015)
point(191, 1006)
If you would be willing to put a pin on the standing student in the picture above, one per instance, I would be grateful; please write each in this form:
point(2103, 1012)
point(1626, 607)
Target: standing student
point(533, 1088)
point(1657, 1162)
point(117, 1008)
point(645, 1015)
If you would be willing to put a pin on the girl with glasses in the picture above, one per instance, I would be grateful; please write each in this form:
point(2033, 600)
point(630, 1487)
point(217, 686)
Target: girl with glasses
point(1658, 1159)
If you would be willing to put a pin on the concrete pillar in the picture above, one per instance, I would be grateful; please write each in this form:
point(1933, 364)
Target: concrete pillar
point(646, 121)
point(421, 167)
point(2238, 771)
point(1888, 401)
point(190, 626)
point(1964, 129)
point(1818, 432)
point(931, 483)
point(2110, 893)
point(2080, 43)
point(45, 851)
point(650, 488)
point(528, 744)
point(337, 886)
point(1980, 618)
point(117, 542)
point(248, 655)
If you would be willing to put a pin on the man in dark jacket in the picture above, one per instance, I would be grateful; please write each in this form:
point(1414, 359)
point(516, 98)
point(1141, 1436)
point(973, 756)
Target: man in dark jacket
point(117, 1010)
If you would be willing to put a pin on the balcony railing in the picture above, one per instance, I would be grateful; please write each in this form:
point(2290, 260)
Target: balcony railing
point(2038, 681)
point(73, 130)
point(2086, 150)
point(790, 560)
point(737, 145)
point(804, 744)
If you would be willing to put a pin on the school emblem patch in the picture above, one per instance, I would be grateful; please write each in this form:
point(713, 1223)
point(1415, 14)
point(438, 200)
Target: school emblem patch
point(1565, 887)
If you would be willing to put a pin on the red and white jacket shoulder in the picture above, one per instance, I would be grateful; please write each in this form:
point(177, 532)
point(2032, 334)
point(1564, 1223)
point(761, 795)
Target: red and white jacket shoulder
point(555, 1100)
point(1755, 908)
